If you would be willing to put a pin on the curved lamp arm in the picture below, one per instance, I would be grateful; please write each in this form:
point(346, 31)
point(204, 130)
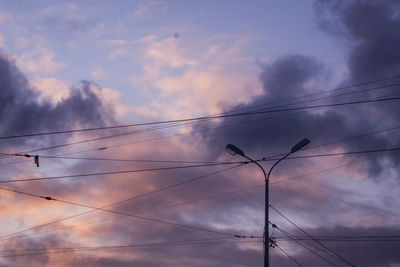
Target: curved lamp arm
point(258, 164)
point(276, 163)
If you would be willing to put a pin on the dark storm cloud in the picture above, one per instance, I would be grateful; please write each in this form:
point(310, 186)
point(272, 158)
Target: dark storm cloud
point(370, 29)
point(285, 78)
point(22, 111)
point(290, 77)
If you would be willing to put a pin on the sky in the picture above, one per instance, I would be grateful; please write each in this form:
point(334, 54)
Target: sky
point(129, 105)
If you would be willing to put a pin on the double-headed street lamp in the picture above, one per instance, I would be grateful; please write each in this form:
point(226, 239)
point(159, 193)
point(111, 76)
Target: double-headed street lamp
point(233, 150)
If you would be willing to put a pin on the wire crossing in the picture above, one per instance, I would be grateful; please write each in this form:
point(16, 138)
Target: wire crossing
point(123, 213)
point(312, 238)
point(106, 206)
point(290, 257)
point(302, 245)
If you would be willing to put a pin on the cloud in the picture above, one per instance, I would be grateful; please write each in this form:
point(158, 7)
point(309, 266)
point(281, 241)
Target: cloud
point(209, 78)
point(39, 61)
point(112, 99)
point(371, 56)
point(51, 88)
point(166, 53)
point(287, 77)
point(22, 112)
point(196, 80)
point(368, 27)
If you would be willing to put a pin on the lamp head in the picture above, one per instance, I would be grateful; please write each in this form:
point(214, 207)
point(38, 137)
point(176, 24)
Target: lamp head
point(233, 150)
point(303, 144)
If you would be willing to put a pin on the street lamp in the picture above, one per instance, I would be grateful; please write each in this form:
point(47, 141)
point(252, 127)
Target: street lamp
point(233, 150)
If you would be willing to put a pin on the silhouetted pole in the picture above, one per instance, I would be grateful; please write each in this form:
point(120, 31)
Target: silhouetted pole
point(233, 150)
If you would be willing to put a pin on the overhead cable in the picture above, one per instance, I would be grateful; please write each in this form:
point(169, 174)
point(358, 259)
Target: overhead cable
point(203, 118)
point(186, 202)
point(45, 251)
point(312, 238)
point(302, 245)
point(290, 257)
point(3, 237)
point(128, 214)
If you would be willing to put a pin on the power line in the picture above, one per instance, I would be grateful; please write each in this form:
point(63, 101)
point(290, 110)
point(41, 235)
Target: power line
point(140, 212)
point(146, 218)
point(113, 246)
point(98, 139)
point(128, 214)
point(323, 92)
point(180, 124)
point(307, 242)
point(302, 245)
point(186, 123)
point(137, 196)
point(77, 249)
point(117, 172)
point(237, 124)
point(115, 159)
point(106, 206)
point(271, 158)
point(355, 137)
point(188, 202)
point(312, 238)
point(136, 142)
point(290, 257)
point(320, 171)
point(201, 163)
point(380, 238)
point(141, 141)
point(338, 95)
point(313, 147)
point(49, 198)
point(267, 104)
point(303, 175)
point(133, 160)
point(158, 190)
point(345, 153)
point(245, 189)
point(241, 190)
point(202, 118)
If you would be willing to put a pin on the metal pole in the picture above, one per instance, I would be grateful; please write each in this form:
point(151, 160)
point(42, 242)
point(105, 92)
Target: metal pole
point(266, 228)
point(232, 149)
point(266, 214)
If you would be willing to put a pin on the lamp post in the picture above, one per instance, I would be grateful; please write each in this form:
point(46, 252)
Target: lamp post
point(233, 150)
